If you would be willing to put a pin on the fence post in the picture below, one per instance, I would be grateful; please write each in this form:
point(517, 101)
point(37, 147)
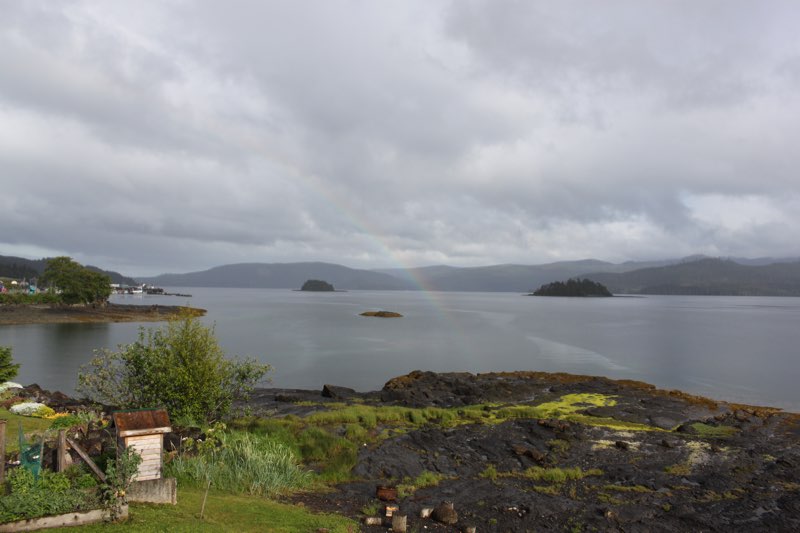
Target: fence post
point(61, 453)
point(2, 451)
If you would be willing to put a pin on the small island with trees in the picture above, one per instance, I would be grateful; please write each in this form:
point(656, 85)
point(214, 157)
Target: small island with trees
point(584, 288)
point(317, 285)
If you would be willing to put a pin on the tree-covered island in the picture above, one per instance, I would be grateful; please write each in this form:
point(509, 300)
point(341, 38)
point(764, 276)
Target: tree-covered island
point(584, 288)
point(317, 285)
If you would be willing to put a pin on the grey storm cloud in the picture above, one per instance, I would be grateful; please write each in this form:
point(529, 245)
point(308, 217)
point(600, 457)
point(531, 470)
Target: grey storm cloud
point(177, 136)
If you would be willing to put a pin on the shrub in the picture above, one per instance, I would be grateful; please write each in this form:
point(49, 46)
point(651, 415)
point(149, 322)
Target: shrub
point(8, 369)
point(21, 298)
point(179, 366)
point(65, 422)
point(9, 385)
point(34, 409)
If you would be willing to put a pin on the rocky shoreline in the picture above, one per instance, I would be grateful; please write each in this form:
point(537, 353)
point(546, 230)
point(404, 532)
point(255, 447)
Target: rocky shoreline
point(535, 451)
point(584, 454)
point(47, 314)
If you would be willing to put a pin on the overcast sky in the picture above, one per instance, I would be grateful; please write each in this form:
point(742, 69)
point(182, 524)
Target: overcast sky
point(152, 137)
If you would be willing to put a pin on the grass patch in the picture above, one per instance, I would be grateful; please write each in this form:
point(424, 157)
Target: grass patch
point(559, 475)
point(609, 499)
point(551, 490)
point(328, 440)
point(371, 509)
point(224, 512)
point(29, 425)
point(627, 488)
point(713, 432)
point(680, 469)
point(713, 496)
point(559, 446)
point(489, 473)
point(243, 463)
point(568, 407)
point(332, 456)
point(425, 479)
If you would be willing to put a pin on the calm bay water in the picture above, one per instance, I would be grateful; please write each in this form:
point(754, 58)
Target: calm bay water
point(733, 348)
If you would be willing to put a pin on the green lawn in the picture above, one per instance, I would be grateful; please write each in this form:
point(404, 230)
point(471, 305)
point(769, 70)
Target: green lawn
point(29, 425)
point(225, 512)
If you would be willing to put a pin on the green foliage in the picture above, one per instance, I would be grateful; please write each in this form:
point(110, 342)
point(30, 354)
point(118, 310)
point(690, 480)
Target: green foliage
point(179, 366)
point(490, 473)
point(551, 490)
point(54, 493)
point(559, 475)
point(371, 509)
point(242, 462)
point(119, 476)
point(43, 412)
point(425, 479)
point(680, 469)
point(8, 368)
point(77, 283)
point(65, 422)
point(627, 488)
point(24, 298)
point(573, 287)
point(332, 456)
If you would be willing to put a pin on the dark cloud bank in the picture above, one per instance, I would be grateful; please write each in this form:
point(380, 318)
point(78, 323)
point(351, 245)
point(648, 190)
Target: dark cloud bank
point(177, 136)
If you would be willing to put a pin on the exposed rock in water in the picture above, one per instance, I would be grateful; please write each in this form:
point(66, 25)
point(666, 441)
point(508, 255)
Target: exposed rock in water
point(382, 314)
point(334, 391)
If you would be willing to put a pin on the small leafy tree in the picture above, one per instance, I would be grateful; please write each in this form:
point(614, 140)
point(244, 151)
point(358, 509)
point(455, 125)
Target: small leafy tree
point(8, 368)
point(119, 476)
point(179, 366)
point(77, 283)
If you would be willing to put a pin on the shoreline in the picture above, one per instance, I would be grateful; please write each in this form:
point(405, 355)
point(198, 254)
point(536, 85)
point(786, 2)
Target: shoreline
point(15, 315)
point(516, 451)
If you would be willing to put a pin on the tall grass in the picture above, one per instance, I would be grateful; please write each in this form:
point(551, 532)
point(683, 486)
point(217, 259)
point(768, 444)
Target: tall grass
point(243, 463)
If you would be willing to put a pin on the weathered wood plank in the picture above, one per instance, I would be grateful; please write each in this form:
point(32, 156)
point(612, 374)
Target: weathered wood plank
point(88, 460)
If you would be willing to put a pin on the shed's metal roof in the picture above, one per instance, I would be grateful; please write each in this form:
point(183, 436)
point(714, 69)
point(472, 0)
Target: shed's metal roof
point(139, 420)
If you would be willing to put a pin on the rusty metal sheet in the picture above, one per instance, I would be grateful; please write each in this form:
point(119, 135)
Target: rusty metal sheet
point(139, 420)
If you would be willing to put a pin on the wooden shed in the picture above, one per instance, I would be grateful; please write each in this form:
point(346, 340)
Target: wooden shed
point(144, 430)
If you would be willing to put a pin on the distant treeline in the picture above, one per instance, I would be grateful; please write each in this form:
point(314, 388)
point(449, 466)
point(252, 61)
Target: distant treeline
point(21, 268)
point(17, 270)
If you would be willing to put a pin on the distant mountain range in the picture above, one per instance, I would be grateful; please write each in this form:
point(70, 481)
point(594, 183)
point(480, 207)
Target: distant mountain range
point(707, 277)
point(280, 276)
point(690, 275)
point(21, 268)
